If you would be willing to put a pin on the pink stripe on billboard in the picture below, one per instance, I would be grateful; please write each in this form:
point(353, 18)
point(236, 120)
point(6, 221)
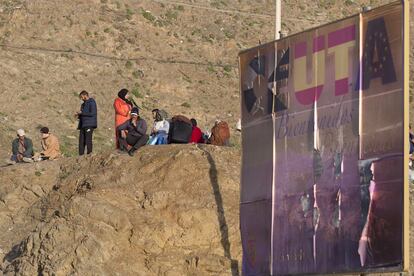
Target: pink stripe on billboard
point(318, 43)
point(341, 87)
point(300, 50)
point(310, 95)
point(341, 36)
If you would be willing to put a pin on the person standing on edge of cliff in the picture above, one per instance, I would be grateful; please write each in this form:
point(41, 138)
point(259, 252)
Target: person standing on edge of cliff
point(88, 121)
point(122, 106)
point(22, 149)
point(133, 133)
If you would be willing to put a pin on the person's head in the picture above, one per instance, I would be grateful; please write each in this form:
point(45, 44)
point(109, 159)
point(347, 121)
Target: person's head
point(20, 133)
point(123, 94)
point(83, 95)
point(134, 113)
point(154, 113)
point(193, 122)
point(44, 131)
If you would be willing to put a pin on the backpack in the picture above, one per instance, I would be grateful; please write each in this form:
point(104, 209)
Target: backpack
point(180, 130)
point(220, 134)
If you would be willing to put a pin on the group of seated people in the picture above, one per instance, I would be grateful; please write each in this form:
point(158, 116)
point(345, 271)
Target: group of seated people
point(22, 148)
point(131, 129)
point(132, 134)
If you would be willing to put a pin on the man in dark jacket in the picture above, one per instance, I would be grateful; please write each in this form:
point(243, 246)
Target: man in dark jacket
point(22, 149)
point(133, 133)
point(88, 121)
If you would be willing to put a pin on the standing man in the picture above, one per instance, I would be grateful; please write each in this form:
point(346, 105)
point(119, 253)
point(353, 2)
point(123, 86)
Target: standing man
point(88, 121)
point(133, 133)
point(22, 149)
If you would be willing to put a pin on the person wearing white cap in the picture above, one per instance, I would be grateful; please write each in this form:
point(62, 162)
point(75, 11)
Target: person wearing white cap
point(22, 149)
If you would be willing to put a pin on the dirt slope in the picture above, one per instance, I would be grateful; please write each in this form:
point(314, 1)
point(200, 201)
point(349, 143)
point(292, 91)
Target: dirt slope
point(171, 210)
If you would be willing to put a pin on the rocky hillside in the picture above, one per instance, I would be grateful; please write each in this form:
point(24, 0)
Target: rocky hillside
point(180, 56)
point(172, 210)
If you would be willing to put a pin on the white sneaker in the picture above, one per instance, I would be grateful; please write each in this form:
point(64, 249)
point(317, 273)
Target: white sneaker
point(27, 160)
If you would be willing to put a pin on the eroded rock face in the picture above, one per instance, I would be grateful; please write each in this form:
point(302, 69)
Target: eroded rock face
point(169, 210)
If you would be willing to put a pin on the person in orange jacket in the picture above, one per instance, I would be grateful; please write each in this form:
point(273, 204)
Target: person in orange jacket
point(122, 108)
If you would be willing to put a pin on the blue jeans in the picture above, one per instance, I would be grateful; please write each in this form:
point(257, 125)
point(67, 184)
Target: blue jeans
point(161, 138)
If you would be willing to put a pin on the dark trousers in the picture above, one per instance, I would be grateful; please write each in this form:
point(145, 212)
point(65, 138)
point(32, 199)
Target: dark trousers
point(85, 140)
point(133, 141)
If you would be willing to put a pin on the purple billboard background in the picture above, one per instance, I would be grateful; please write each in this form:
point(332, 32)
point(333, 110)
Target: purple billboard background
point(322, 166)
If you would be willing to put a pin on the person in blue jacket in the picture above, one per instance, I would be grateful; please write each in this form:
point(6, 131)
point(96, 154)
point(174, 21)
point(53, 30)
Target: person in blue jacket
point(88, 121)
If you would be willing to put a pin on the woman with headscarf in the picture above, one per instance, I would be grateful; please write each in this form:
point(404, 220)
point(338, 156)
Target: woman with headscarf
point(122, 108)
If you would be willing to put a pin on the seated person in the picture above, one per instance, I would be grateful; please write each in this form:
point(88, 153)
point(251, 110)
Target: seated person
point(50, 146)
point(220, 134)
point(159, 133)
point(133, 133)
point(197, 134)
point(22, 149)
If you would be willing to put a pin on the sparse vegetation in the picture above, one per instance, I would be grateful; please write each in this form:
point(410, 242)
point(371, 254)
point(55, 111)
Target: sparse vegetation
point(148, 15)
point(186, 105)
point(211, 69)
point(128, 64)
point(129, 13)
point(229, 34)
point(171, 15)
point(179, 8)
point(227, 68)
point(136, 92)
point(138, 74)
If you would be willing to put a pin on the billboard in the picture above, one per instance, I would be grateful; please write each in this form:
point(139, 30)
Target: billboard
point(324, 186)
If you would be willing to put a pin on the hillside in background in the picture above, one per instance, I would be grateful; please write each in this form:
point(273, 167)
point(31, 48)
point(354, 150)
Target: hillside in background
point(180, 56)
point(170, 210)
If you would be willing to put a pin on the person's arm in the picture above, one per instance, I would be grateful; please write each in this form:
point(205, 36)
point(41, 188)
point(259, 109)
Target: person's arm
point(29, 148)
point(124, 126)
point(121, 108)
point(141, 127)
point(92, 110)
point(15, 147)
